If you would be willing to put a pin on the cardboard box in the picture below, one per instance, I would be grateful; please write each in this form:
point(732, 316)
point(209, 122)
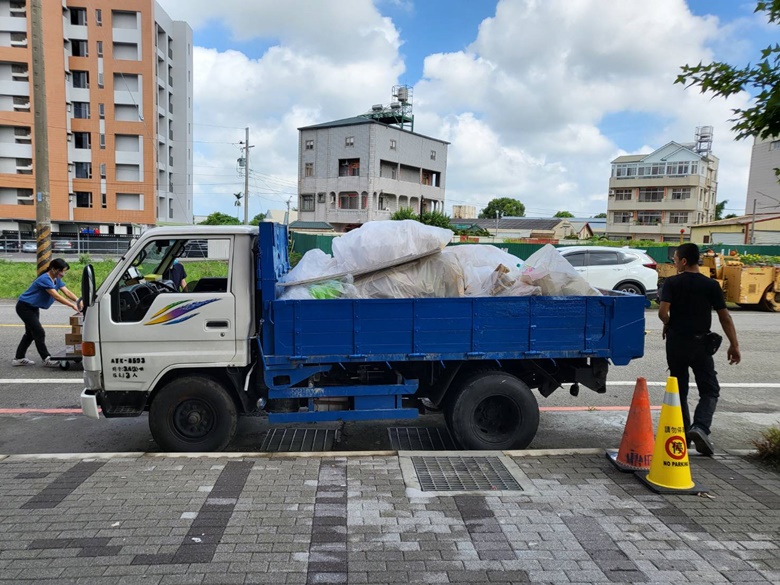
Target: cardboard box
point(76, 320)
point(73, 349)
point(72, 339)
point(76, 330)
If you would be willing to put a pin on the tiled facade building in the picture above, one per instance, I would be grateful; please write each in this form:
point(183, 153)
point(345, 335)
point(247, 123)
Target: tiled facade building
point(119, 110)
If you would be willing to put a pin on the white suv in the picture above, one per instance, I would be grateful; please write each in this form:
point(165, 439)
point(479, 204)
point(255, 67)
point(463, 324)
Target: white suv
point(624, 269)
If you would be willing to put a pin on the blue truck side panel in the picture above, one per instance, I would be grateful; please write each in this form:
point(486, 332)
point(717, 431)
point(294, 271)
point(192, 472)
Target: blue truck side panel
point(375, 330)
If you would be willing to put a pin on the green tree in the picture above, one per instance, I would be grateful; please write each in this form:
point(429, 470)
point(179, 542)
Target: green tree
point(600, 216)
point(219, 218)
point(405, 213)
point(721, 79)
point(564, 214)
point(257, 219)
point(719, 207)
point(436, 218)
point(505, 206)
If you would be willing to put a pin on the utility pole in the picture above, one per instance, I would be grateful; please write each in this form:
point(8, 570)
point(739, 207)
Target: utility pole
point(40, 121)
point(753, 225)
point(247, 146)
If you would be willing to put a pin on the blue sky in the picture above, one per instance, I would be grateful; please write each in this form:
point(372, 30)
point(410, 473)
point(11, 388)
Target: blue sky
point(536, 98)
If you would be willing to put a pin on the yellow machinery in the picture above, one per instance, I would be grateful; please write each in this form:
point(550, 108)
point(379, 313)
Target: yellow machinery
point(755, 287)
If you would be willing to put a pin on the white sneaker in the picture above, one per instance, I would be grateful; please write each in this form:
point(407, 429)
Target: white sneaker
point(50, 363)
point(22, 362)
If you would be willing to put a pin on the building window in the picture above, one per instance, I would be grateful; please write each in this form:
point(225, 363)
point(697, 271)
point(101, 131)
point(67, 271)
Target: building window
point(103, 141)
point(308, 170)
point(309, 145)
point(349, 201)
point(678, 217)
point(99, 21)
point(80, 79)
point(678, 168)
point(81, 110)
point(100, 48)
point(320, 197)
point(621, 217)
point(648, 218)
point(81, 140)
point(83, 170)
point(624, 171)
point(102, 111)
point(78, 16)
point(651, 194)
point(100, 80)
point(349, 167)
point(774, 145)
point(392, 144)
point(78, 48)
point(622, 194)
point(433, 155)
point(679, 193)
point(103, 202)
point(102, 170)
point(307, 202)
point(83, 199)
point(349, 141)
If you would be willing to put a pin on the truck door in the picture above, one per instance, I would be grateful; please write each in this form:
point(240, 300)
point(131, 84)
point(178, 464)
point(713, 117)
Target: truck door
point(148, 326)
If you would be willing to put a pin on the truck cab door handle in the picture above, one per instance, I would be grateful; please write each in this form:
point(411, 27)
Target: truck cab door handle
point(217, 325)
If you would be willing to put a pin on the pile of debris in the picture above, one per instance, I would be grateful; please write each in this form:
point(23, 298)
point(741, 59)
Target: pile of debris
point(407, 259)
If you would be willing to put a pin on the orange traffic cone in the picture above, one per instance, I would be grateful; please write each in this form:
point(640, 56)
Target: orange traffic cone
point(636, 446)
point(670, 470)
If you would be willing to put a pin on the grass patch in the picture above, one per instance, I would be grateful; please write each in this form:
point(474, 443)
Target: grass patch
point(17, 276)
point(768, 447)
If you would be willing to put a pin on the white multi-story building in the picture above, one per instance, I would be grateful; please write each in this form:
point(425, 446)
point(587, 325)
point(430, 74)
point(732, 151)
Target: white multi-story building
point(659, 196)
point(118, 78)
point(359, 169)
point(763, 183)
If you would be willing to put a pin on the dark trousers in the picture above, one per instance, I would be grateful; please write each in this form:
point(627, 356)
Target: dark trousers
point(682, 353)
point(33, 331)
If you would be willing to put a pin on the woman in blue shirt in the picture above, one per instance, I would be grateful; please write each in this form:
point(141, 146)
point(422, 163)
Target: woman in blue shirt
point(44, 290)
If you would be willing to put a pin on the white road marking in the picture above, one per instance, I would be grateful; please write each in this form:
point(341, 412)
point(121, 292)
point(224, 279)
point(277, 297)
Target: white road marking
point(618, 383)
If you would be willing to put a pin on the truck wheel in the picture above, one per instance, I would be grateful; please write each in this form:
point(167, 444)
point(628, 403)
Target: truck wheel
point(193, 414)
point(493, 410)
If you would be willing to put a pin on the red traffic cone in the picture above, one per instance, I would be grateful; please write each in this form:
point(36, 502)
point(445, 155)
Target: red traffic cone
point(636, 446)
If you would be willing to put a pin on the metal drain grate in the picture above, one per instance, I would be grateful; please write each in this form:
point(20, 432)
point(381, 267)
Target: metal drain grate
point(450, 474)
point(420, 439)
point(298, 440)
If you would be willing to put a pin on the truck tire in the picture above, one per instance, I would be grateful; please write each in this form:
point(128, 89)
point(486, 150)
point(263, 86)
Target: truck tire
point(771, 300)
point(493, 410)
point(193, 414)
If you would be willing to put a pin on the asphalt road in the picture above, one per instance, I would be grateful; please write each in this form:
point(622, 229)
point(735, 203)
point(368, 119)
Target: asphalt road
point(39, 407)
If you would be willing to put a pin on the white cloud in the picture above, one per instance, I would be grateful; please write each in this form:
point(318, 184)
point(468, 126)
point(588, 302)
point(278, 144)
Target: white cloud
point(522, 104)
point(543, 75)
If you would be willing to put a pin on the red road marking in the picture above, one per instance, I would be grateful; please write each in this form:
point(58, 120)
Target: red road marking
point(543, 409)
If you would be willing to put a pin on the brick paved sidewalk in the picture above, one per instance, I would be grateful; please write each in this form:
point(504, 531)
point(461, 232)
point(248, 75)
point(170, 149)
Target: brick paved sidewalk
point(148, 519)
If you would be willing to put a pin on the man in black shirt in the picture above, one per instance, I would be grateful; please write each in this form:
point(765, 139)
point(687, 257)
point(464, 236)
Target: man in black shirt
point(687, 301)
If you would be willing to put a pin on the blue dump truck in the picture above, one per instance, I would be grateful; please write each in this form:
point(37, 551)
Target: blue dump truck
point(227, 346)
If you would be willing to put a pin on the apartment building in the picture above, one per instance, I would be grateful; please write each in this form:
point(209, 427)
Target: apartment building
point(659, 195)
point(360, 169)
point(118, 78)
point(763, 183)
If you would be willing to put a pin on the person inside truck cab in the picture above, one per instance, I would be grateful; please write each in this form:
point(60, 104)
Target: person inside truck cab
point(178, 275)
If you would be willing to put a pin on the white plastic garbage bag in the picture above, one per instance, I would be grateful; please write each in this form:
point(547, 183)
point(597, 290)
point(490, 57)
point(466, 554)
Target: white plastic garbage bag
point(550, 271)
point(434, 276)
point(314, 264)
point(378, 242)
point(480, 263)
point(341, 288)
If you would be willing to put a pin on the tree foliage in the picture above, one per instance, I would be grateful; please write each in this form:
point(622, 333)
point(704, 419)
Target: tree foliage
point(564, 214)
point(600, 216)
point(719, 207)
point(723, 80)
point(219, 218)
point(257, 219)
point(505, 206)
point(405, 213)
